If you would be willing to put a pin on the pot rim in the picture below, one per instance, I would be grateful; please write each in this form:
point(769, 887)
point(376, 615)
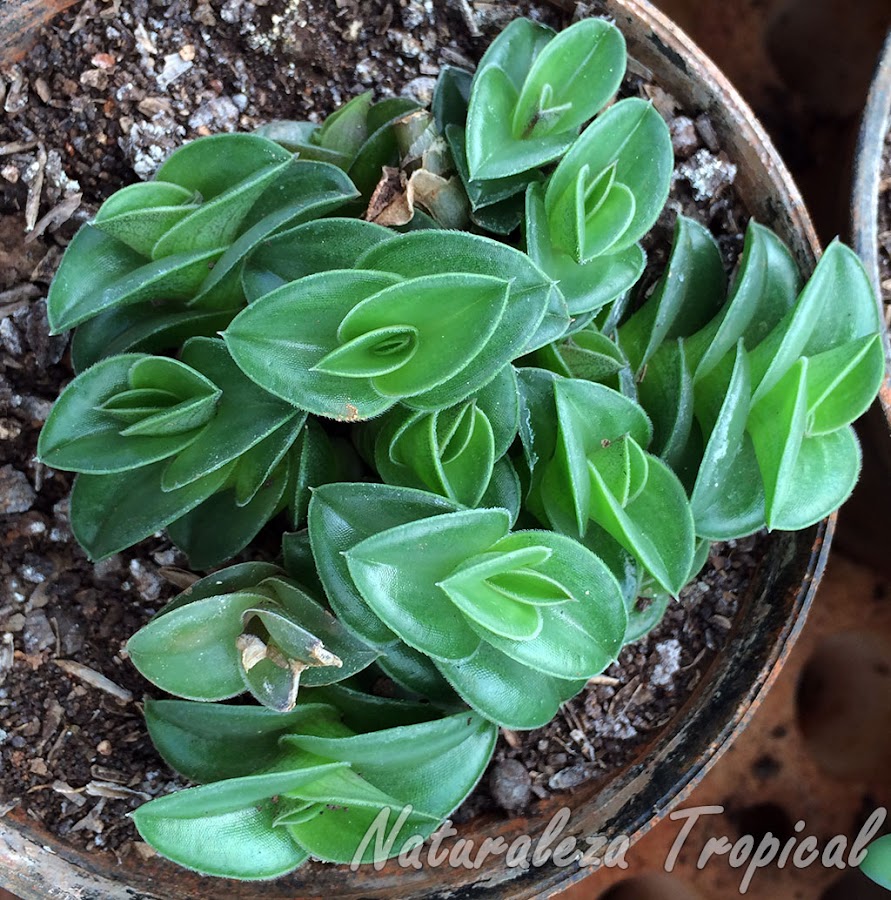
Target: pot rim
point(730, 694)
point(874, 126)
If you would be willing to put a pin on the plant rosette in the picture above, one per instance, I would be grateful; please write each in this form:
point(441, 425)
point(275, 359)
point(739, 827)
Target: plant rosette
point(496, 441)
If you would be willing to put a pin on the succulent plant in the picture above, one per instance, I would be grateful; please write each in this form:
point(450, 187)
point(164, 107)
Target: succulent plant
point(425, 339)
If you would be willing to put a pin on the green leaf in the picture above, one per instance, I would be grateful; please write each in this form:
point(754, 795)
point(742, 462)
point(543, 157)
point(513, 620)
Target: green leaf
point(492, 149)
point(240, 844)
point(493, 610)
point(426, 253)
point(299, 138)
point(656, 527)
point(343, 515)
point(304, 190)
point(80, 435)
point(318, 246)
point(146, 328)
point(776, 425)
point(586, 287)
point(190, 651)
point(454, 317)
point(842, 383)
point(408, 599)
point(112, 512)
point(571, 79)
point(416, 673)
point(666, 391)
point(516, 48)
point(450, 97)
point(216, 222)
point(685, 297)
point(484, 194)
point(210, 166)
point(590, 417)
point(877, 864)
point(382, 148)
point(278, 340)
point(138, 215)
point(376, 352)
point(577, 639)
point(245, 416)
point(240, 577)
point(220, 527)
point(505, 691)
point(765, 287)
point(726, 427)
point(346, 129)
point(212, 741)
point(632, 137)
point(823, 476)
point(99, 272)
point(256, 466)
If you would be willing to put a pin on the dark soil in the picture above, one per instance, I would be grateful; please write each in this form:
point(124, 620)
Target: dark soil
point(108, 91)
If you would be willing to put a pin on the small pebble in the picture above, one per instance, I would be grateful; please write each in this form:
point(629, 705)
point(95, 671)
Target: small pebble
point(16, 493)
point(510, 784)
point(569, 777)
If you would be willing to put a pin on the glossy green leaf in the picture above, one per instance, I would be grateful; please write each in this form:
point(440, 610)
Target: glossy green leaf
point(530, 317)
point(343, 515)
point(190, 651)
point(239, 844)
point(824, 474)
point(144, 328)
point(571, 79)
point(409, 600)
point(492, 149)
point(278, 340)
point(99, 272)
point(877, 864)
point(318, 246)
point(632, 137)
point(246, 415)
point(112, 512)
point(138, 215)
point(506, 691)
point(302, 191)
point(82, 435)
point(586, 287)
point(765, 287)
point(212, 741)
point(221, 527)
point(684, 299)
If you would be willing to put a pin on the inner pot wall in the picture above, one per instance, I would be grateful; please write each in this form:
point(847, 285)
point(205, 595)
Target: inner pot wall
point(865, 201)
point(36, 865)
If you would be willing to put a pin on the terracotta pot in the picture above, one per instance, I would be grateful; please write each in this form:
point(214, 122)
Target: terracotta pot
point(633, 800)
point(865, 201)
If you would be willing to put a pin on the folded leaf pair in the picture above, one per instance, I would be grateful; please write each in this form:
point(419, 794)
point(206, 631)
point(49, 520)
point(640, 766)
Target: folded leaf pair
point(427, 319)
point(248, 627)
point(309, 783)
point(585, 450)
point(161, 261)
point(515, 622)
point(753, 400)
point(189, 444)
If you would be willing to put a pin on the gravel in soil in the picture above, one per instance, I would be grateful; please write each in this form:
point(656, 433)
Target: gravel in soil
point(110, 88)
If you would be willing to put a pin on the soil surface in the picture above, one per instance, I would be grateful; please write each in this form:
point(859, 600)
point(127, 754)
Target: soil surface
point(108, 91)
